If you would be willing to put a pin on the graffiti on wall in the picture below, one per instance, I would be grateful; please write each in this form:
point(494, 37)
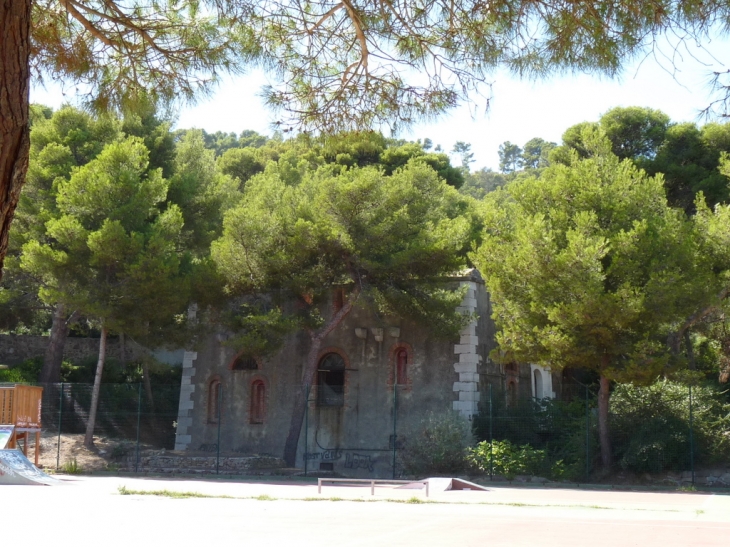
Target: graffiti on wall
point(358, 461)
point(325, 456)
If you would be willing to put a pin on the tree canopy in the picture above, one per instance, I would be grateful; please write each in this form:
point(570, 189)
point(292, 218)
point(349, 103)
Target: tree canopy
point(588, 266)
point(385, 240)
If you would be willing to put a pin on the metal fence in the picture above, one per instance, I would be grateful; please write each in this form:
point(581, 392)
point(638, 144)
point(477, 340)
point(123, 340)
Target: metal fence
point(663, 432)
point(666, 431)
point(129, 419)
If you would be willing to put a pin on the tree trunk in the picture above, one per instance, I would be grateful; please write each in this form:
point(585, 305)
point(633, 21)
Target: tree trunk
point(300, 403)
point(14, 92)
point(300, 399)
point(89, 438)
point(51, 371)
point(603, 429)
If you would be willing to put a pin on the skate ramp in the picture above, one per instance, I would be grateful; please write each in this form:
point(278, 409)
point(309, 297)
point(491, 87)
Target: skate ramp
point(442, 484)
point(6, 431)
point(16, 469)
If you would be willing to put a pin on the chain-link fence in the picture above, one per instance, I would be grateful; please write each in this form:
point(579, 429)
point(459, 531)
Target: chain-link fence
point(668, 430)
point(130, 419)
point(665, 432)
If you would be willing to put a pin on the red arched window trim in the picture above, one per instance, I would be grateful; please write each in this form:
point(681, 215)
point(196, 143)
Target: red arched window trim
point(401, 365)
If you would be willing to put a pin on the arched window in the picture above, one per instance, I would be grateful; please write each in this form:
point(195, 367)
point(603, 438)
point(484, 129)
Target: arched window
point(258, 402)
point(401, 367)
point(331, 380)
point(538, 384)
point(214, 392)
point(244, 362)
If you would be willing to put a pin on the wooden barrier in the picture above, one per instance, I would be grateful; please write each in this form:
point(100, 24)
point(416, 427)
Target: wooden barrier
point(371, 482)
point(21, 406)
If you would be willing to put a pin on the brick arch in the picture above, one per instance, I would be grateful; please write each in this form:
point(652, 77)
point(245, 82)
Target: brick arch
point(232, 362)
point(393, 353)
point(338, 351)
point(324, 352)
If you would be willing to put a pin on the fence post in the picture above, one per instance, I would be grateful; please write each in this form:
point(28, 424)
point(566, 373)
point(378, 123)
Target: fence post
point(139, 413)
point(60, 421)
point(218, 443)
point(306, 427)
point(691, 438)
point(588, 437)
point(491, 438)
point(395, 416)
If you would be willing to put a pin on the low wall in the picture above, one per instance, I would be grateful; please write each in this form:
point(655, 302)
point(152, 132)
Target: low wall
point(15, 349)
point(242, 465)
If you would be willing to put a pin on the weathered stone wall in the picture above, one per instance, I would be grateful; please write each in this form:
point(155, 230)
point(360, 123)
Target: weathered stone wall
point(16, 348)
point(170, 463)
point(355, 439)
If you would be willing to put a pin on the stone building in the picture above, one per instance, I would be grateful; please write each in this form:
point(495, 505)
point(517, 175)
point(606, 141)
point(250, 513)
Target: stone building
point(377, 378)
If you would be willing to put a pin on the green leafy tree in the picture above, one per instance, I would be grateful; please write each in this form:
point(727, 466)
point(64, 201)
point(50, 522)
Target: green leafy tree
point(111, 252)
point(384, 239)
point(510, 157)
point(589, 267)
point(536, 152)
point(479, 183)
point(340, 65)
point(61, 141)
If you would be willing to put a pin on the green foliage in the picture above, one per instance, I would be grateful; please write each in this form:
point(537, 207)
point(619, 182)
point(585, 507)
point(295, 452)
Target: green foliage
point(390, 238)
point(437, 446)
point(71, 467)
point(24, 373)
point(508, 460)
point(686, 155)
point(479, 183)
point(651, 426)
point(605, 266)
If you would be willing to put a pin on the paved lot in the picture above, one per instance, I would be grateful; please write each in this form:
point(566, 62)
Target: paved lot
point(89, 511)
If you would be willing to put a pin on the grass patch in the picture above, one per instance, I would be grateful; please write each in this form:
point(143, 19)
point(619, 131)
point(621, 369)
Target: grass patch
point(124, 491)
point(71, 467)
point(264, 497)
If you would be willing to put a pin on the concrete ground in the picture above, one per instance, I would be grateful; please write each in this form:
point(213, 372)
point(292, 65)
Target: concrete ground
point(90, 511)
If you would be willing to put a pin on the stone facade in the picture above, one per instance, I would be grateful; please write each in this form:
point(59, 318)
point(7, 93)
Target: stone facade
point(393, 373)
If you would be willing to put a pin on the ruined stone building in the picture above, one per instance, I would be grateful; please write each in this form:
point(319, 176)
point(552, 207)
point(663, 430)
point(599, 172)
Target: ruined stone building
point(376, 381)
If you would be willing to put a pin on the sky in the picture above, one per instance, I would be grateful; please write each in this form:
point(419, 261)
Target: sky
point(518, 111)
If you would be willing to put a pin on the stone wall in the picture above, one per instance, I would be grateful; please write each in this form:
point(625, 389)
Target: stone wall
point(356, 438)
point(15, 349)
point(204, 465)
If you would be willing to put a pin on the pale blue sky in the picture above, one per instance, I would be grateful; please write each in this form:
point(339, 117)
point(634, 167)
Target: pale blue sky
point(519, 110)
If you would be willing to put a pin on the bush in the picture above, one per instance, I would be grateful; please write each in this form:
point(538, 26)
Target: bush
point(438, 446)
point(508, 459)
point(650, 426)
point(26, 372)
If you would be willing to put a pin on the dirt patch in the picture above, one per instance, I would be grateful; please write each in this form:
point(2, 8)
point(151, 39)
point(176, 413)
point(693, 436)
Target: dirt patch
point(75, 457)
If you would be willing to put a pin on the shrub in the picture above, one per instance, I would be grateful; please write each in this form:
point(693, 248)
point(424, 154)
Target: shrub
point(437, 446)
point(26, 372)
point(509, 460)
point(650, 426)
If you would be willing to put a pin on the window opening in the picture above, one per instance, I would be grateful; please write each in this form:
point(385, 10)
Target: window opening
point(213, 393)
point(244, 362)
point(331, 380)
point(258, 402)
point(538, 384)
point(401, 367)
